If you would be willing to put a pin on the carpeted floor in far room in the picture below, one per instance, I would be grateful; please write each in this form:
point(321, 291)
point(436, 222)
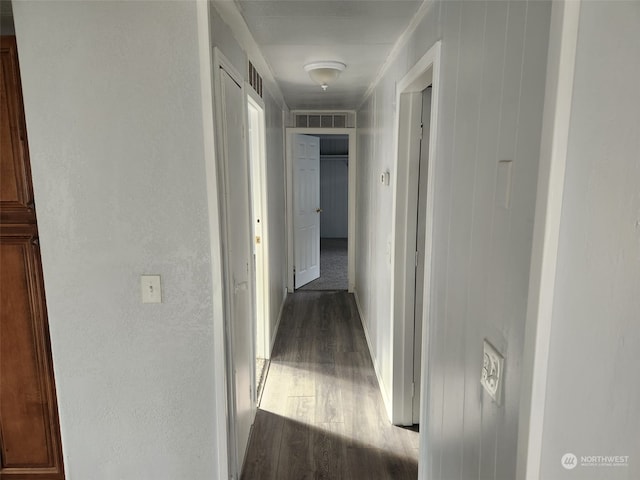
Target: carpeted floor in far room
point(333, 266)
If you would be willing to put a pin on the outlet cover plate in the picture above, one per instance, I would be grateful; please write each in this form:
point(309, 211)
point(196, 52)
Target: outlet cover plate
point(492, 372)
point(151, 289)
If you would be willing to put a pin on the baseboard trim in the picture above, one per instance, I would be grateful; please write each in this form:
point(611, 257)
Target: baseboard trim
point(277, 326)
point(381, 385)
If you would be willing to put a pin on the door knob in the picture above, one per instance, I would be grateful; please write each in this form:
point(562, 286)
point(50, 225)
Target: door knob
point(318, 210)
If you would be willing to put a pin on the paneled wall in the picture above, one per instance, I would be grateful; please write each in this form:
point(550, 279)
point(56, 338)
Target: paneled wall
point(594, 355)
point(491, 95)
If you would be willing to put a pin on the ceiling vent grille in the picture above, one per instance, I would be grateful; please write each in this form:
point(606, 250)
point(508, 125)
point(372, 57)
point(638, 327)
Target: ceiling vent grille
point(324, 120)
point(255, 79)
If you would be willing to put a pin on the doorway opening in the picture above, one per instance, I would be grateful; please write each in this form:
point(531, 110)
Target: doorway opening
point(416, 100)
point(321, 216)
point(334, 214)
point(259, 193)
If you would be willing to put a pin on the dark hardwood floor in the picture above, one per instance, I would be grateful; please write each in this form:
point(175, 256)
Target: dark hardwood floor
point(321, 415)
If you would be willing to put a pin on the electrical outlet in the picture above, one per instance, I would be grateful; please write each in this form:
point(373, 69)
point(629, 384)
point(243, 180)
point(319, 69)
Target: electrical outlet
point(492, 372)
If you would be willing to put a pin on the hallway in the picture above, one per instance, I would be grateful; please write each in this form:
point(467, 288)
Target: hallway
point(321, 414)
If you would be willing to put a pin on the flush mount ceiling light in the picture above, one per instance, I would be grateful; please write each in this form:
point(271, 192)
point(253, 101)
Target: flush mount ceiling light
point(323, 73)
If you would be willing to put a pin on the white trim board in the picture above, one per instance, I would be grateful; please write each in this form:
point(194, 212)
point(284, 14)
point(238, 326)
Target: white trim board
point(259, 168)
point(220, 62)
point(217, 293)
point(272, 341)
point(424, 73)
point(563, 38)
point(351, 245)
point(381, 386)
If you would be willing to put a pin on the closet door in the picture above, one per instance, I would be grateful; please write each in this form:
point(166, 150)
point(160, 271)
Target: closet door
point(30, 446)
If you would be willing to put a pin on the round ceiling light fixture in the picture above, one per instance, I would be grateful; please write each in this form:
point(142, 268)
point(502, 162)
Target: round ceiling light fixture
point(323, 73)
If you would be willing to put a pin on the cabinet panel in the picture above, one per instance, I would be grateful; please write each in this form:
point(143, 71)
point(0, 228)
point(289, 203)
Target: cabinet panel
point(30, 446)
point(16, 194)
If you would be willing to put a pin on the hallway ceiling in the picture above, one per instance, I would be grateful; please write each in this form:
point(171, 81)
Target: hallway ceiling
point(359, 33)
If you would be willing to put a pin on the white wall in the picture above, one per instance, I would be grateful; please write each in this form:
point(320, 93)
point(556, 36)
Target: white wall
point(277, 212)
point(334, 197)
point(492, 85)
point(113, 107)
point(594, 357)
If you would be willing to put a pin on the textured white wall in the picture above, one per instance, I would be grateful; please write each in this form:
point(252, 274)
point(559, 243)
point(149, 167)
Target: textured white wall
point(594, 356)
point(491, 92)
point(114, 117)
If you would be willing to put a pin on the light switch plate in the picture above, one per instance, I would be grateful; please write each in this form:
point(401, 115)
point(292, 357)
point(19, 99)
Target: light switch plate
point(151, 289)
point(492, 372)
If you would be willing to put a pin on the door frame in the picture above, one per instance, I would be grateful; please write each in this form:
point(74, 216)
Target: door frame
point(261, 278)
point(424, 73)
point(556, 124)
point(234, 464)
point(351, 259)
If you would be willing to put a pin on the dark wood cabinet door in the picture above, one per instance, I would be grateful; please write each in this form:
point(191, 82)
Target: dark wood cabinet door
point(16, 192)
point(28, 410)
point(30, 446)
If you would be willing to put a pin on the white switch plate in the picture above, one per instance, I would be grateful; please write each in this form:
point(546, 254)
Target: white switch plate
point(151, 290)
point(492, 372)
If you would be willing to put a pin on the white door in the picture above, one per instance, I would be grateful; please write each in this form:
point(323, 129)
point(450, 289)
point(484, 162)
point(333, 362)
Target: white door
point(420, 244)
point(239, 260)
point(306, 208)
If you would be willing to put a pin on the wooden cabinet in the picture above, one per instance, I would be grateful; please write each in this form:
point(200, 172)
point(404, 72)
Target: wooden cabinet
point(30, 446)
point(16, 192)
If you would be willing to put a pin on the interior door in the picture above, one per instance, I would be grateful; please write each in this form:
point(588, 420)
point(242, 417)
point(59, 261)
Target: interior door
point(420, 244)
point(306, 208)
point(30, 444)
point(239, 259)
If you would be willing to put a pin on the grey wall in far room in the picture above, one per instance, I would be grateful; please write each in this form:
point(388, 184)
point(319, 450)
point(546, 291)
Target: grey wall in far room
point(334, 186)
point(334, 191)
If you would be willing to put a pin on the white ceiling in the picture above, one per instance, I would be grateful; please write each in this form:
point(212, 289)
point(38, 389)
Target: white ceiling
point(359, 33)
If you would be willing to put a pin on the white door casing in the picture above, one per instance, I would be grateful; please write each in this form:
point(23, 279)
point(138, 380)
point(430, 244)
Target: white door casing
point(400, 406)
point(238, 259)
point(258, 169)
point(421, 220)
point(306, 208)
point(289, 142)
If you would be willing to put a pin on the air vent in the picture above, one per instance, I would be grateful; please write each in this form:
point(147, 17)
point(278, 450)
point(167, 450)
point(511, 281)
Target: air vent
point(323, 120)
point(255, 79)
point(302, 121)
